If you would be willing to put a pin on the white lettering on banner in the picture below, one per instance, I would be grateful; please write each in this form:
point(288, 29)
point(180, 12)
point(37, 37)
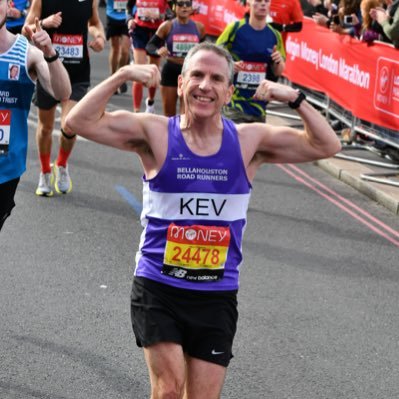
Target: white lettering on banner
point(395, 88)
point(201, 7)
point(386, 95)
point(309, 55)
point(329, 63)
point(382, 99)
point(292, 48)
point(354, 74)
point(338, 67)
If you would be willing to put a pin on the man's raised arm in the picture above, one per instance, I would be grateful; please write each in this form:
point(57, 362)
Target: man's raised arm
point(285, 144)
point(45, 64)
point(117, 129)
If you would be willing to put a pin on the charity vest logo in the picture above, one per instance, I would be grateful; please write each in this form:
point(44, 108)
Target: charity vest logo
point(386, 94)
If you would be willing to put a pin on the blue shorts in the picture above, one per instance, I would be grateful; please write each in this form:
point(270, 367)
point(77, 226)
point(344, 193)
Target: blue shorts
point(141, 36)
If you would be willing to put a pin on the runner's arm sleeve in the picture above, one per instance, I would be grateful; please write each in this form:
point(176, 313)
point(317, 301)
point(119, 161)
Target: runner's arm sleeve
point(154, 44)
point(130, 5)
point(294, 27)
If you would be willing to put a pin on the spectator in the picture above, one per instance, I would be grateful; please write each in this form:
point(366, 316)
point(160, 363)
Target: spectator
point(258, 52)
point(348, 9)
point(316, 7)
point(388, 20)
point(325, 15)
point(368, 32)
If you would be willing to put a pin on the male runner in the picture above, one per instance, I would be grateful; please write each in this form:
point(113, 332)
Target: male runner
point(68, 24)
point(118, 36)
point(287, 16)
point(259, 53)
point(21, 64)
point(198, 172)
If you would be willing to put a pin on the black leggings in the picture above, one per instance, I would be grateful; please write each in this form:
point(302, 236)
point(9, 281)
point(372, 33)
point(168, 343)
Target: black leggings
point(170, 72)
point(7, 193)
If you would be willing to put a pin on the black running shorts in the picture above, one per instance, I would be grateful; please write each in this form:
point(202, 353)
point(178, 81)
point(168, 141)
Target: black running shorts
point(170, 73)
point(116, 27)
point(44, 100)
point(202, 322)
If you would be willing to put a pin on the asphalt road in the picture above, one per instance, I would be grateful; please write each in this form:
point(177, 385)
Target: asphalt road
point(318, 299)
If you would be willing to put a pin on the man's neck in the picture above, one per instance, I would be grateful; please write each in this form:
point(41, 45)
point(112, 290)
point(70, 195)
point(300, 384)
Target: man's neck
point(204, 138)
point(6, 39)
point(203, 126)
point(257, 23)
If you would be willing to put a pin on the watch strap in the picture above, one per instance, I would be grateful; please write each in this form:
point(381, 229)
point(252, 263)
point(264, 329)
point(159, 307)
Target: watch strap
point(53, 58)
point(295, 104)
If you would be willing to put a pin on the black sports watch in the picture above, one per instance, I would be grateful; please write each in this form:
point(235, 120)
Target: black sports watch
point(295, 104)
point(53, 58)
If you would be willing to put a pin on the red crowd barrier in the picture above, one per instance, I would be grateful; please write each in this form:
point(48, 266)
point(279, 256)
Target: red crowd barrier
point(360, 78)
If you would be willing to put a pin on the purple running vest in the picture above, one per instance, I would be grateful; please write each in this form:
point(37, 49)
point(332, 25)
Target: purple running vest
point(181, 38)
point(194, 215)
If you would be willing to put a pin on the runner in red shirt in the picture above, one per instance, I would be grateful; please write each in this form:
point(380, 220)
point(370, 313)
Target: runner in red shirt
point(287, 16)
point(144, 18)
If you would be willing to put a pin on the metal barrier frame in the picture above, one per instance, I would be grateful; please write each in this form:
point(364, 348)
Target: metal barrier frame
point(356, 126)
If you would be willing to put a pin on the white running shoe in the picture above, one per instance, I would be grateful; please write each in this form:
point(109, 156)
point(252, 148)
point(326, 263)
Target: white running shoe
point(63, 182)
point(44, 187)
point(149, 109)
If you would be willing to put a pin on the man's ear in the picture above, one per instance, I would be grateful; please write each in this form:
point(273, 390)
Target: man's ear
point(229, 93)
point(179, 85)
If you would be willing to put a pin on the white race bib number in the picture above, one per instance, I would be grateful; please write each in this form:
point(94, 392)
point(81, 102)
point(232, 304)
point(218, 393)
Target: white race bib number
point(252, 75)
point(69, 46)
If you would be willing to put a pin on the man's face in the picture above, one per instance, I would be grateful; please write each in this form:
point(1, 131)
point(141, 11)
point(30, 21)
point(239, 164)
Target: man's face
point(205, 85)
point(259, 8)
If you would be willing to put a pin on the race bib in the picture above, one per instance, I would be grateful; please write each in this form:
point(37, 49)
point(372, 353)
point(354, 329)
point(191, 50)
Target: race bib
point(68, 46)
point(148, 10)
point(183, 43)
point(5, 125)
point(120, 5)
point(252, 75)
point(196, 253)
